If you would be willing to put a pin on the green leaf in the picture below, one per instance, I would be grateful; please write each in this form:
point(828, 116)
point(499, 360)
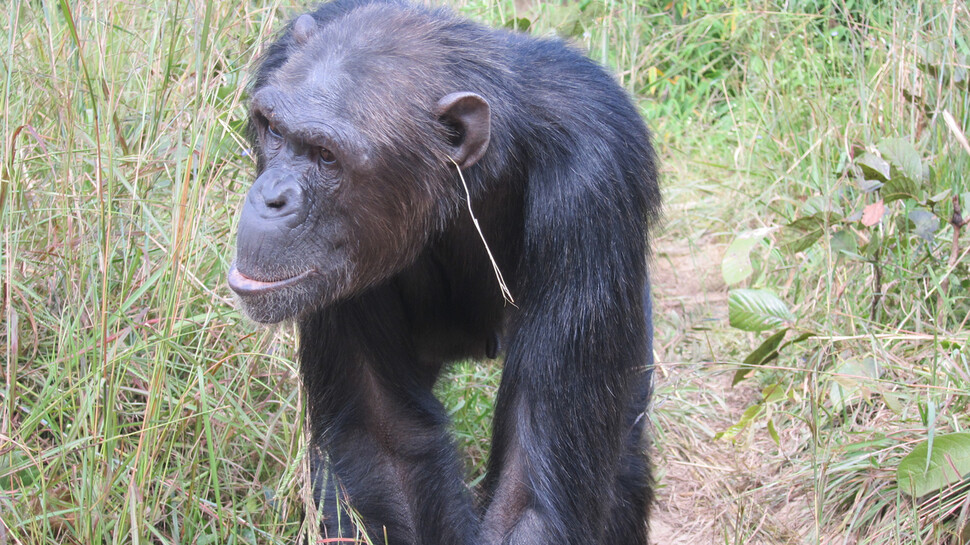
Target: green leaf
point(868, 186)
point(772, 432)
point(874, 167)
point(800, 242)
point(774, 393)
point(520, 24)
point(806, 224)
point(871, 249)
point(923, 471)
point(757, 310)
point(939, 197)
point(907, 173)
point(894, 401)
point(802, 233)
point(736, 265)
point(900, 187)
point(750, 414)
point(19, 474)
point(822, 208)
point(926, 222)
point(902, 155)
point(767, 351)
point(844, 242)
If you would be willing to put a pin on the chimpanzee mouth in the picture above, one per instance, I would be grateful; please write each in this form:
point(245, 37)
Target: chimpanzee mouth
point(243, 285)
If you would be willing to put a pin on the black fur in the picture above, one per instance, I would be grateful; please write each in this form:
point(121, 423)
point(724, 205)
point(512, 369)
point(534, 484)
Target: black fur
point(397, 282)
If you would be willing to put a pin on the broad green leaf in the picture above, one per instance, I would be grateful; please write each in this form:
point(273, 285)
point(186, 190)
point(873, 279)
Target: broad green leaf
point(940, 197)
point(818, 220)
point(736, 265)
point(767, 351)
point(923, 471)
point(900, 187)
point(757, 310)
point(802, 233)
point(868, 186)
point(866, 368)
point(926, 222)
point(19, 474)
point(844, 242)
point(902, 155)
point(824, 208)
point(799, 242)
point(907, 173)
point(873, 167)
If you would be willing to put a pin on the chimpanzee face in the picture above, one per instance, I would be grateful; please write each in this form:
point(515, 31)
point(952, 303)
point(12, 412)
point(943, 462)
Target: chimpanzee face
point(349, 186)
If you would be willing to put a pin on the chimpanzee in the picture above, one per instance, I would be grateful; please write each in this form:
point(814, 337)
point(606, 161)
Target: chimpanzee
point(412, 163)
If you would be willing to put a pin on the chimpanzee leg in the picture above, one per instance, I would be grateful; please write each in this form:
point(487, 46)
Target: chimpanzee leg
point(628, 518)
point(565, 468)
point(632, 488)
point(372, 412)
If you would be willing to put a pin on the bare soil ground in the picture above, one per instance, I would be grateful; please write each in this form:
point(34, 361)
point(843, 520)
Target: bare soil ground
point(712, 491)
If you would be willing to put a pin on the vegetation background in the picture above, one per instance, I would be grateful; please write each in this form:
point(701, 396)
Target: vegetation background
point(811, 279)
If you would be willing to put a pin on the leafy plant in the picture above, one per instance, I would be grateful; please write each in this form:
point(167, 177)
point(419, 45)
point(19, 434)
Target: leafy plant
point(934, 464)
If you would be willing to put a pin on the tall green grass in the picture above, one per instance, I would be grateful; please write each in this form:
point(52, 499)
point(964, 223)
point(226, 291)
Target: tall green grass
point(137, 406)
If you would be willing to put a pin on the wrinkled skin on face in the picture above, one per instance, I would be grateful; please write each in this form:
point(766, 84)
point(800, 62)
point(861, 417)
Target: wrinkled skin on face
point(353, 173)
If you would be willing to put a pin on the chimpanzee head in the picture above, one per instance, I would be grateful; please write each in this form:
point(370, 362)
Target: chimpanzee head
point(354, 135)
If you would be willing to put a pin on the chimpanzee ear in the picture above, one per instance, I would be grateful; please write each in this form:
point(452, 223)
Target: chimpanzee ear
point(468, 115)
point(304, 28)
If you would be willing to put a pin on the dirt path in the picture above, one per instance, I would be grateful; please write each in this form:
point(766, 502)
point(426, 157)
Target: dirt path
point(710, 491)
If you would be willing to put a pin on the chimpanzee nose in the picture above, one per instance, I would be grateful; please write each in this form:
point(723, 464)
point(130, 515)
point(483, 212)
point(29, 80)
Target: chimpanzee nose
point(281, 198)
point(277, 195)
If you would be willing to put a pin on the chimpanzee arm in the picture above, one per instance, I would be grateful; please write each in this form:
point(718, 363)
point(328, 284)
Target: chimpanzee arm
point(372, 412)
point(566, 436)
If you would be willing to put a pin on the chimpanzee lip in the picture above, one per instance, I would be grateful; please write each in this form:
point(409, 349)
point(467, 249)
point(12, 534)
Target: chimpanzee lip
point(243, 285)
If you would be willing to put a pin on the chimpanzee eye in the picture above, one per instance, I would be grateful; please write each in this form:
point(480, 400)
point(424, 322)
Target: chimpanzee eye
point(273, 132)
point(327, 157)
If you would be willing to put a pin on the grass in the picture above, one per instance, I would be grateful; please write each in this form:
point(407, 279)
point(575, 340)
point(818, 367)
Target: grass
point(137, 406)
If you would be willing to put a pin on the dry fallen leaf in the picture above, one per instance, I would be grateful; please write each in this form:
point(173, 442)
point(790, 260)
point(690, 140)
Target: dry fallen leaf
point(873, 213)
